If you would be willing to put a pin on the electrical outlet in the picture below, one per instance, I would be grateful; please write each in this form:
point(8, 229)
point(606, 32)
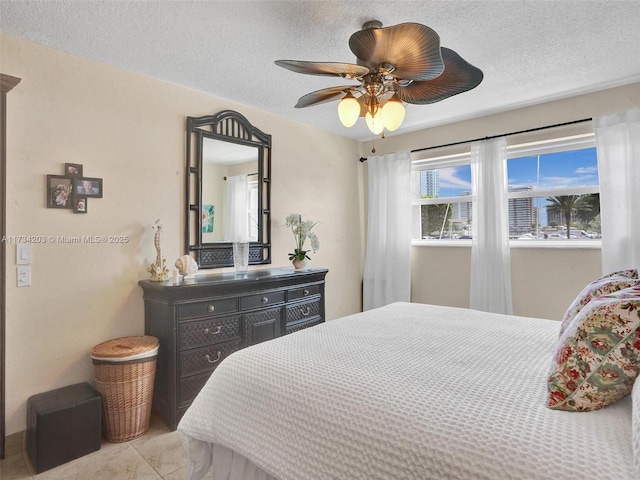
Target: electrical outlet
point(24, 276)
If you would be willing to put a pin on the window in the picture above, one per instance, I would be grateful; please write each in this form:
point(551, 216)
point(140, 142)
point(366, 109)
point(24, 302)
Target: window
point(442, 198)
point(553, 190)
point(553, 193)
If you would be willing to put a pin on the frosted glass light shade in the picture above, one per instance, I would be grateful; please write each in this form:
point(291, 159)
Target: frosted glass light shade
point(375, 123)
point(348, 110)
point(393, 113)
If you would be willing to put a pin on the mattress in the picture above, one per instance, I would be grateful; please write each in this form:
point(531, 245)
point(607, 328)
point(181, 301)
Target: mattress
point(406, 391)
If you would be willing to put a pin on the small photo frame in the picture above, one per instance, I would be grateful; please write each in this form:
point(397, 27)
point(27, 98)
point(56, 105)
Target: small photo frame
point(72, 170)
point(87, 187)
point(59, 191)
point(80, 204)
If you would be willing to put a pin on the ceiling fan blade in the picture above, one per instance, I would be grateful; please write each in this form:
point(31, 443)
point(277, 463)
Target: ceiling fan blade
point(459, 76)
point(322, 96)
point(330, 69)
point(413, 49)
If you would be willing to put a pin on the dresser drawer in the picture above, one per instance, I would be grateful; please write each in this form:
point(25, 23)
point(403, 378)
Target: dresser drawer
point(205, 359)
point(262, 300)
point(210, 331)
point(206, 309)
point(294, 327)
point(262, 325)
point(303, 292)
point(189, 387)
point(303, 310)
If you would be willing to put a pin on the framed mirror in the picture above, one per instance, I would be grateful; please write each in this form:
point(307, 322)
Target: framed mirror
point(228, 193)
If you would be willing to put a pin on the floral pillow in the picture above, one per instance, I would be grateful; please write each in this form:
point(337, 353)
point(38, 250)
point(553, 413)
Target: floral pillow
point(635, 427)
point(609, 283)
point(598, 356)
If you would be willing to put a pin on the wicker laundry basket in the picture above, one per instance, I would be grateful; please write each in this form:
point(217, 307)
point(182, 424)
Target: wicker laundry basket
point(124, 372)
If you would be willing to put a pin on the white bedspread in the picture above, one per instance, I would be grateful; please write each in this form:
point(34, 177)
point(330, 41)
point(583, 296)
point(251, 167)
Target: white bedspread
point(407, 391)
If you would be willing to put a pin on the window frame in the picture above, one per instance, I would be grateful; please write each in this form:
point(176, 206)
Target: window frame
point(446, 161)
point(539, 147)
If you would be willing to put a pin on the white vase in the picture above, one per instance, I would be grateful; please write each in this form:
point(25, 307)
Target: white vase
point(299, 264)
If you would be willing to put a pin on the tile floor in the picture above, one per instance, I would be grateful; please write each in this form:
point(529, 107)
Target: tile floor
point(157, 455)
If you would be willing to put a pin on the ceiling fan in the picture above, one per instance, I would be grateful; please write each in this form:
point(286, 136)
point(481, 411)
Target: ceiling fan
point(402, 63)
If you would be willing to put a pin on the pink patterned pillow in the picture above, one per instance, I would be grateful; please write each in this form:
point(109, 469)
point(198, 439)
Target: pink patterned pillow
point(598, 356)
point(602, 286)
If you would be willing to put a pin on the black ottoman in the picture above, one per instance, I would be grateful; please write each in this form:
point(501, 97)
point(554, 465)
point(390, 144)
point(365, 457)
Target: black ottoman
point(63, 424)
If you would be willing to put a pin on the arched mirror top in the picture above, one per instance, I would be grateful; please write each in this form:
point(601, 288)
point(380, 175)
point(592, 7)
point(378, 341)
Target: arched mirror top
point(227, 189)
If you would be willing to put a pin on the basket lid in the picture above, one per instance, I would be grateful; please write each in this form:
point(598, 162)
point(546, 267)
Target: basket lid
point(126, 348)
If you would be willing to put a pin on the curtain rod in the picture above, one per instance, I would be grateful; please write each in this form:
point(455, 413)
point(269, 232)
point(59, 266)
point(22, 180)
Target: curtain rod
point(364, 159)
point(248, 175)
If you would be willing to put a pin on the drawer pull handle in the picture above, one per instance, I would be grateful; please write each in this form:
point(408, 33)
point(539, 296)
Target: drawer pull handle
point(305, 311)
point(215, 332)
point(217, 357)
point(305, 292)
point(211, 308)
point(265, 299)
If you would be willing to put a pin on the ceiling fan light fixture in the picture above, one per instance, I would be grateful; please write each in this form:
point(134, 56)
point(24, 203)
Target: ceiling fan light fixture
point(393, 113)
point(404, 61)
point(375, 123)
point(348, 110)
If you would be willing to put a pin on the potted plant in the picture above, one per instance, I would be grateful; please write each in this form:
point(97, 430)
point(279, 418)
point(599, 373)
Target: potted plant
point(301, 231)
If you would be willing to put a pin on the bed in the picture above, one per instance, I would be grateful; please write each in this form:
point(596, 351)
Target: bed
point(406, 391)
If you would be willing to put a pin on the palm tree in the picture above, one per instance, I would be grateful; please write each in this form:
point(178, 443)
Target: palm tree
point(434, 217)
point(587, 215)
point(567, 205)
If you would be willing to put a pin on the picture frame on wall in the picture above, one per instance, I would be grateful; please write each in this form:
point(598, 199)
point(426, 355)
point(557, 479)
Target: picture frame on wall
point(87, 187)
point(73, 170)
point(59, 191)
point(80, 204)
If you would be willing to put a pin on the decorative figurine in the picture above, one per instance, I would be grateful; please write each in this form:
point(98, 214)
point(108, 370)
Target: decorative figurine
point(159, 271)
point(186, 265)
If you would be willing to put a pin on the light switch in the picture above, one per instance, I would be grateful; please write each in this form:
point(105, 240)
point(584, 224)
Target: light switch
point(24, 276)
point(23, 253)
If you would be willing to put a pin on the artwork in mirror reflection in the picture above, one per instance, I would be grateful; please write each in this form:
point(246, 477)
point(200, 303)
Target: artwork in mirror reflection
point(229, 192)
point(208, 216)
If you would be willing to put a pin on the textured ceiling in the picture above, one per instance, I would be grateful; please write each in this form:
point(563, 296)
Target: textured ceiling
point(529, 51)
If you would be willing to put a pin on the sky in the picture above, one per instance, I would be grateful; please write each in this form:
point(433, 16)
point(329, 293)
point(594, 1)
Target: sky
point(557, 170)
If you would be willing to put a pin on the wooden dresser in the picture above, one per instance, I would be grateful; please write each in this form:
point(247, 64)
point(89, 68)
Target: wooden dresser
point(201, 321)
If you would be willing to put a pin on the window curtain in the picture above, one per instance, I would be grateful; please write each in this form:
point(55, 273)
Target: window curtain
point(490, 288)
point(618, 147)
point(236, 216)
point(387, 268)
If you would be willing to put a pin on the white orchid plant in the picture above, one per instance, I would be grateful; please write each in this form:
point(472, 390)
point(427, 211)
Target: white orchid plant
point(301, 231)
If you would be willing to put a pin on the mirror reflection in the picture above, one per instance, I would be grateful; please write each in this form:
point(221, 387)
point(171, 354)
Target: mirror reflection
point(229, 192)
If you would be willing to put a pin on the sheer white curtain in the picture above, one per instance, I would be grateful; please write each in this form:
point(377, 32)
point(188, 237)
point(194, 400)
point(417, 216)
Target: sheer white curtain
point(618, 145)
point(387, 268)
point(236, 216)
point(490, 256)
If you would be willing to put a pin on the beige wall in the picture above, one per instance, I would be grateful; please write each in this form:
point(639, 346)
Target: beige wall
point(544, 280)
point(129, 130)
